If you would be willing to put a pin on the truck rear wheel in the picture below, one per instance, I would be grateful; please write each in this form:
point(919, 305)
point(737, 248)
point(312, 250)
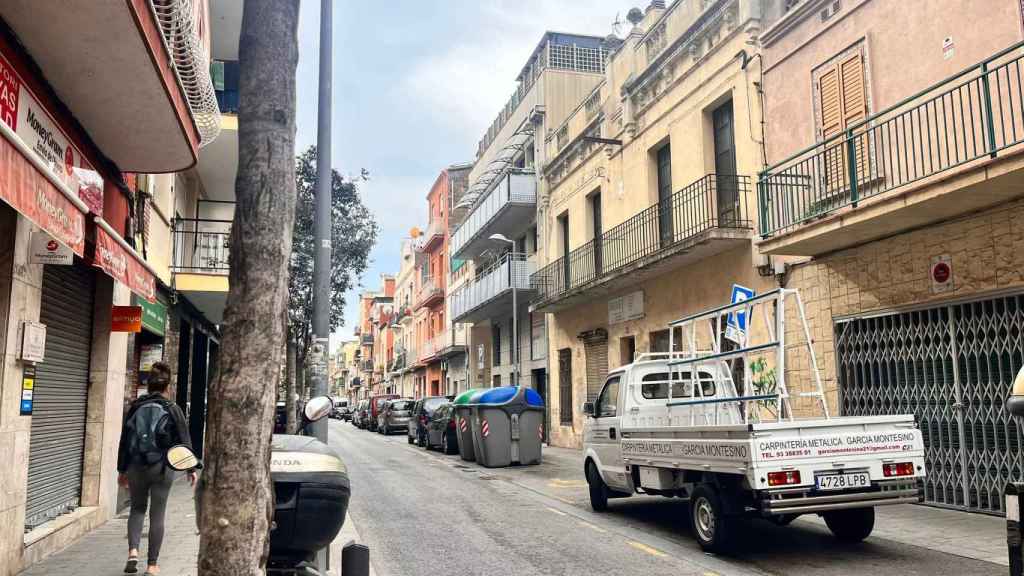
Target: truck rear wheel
point(851, 525)
point(598, 489)
point(711, 527)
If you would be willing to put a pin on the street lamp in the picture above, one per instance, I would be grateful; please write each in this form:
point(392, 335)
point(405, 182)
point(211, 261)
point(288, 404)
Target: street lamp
point(515, 308)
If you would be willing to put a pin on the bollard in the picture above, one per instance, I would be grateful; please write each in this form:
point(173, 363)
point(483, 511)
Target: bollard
point(1013, 528)
point(355, 560)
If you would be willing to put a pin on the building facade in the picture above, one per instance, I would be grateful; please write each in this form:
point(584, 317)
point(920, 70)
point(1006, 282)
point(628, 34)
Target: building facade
point(893, 193)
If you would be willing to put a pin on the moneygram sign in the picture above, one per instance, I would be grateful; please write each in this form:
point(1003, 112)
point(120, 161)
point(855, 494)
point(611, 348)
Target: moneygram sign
point(113, 259)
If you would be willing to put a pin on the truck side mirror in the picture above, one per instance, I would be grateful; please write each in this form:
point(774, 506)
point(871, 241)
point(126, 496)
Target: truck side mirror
point(1015, 403)
point(588, 408)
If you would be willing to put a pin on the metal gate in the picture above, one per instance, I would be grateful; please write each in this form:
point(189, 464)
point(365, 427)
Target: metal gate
point(953, 367)
point(595, 347)
point(60, 393)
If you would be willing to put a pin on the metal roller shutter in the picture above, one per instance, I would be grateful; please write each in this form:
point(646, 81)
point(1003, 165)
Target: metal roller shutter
point(595, 344)
point(61, 390)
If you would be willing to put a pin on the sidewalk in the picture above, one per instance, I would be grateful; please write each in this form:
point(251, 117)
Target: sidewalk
point(103, 551)
point(976, 536)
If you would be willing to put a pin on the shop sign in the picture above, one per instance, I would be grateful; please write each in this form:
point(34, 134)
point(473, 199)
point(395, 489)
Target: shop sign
point(627, 307)
point(28, 384)
point(24, 114)
point(154, 315)
point(150, 354)
point(33, 341)
point(122, 266)
point(30, 193)
point(46, 250)
point(126, 319)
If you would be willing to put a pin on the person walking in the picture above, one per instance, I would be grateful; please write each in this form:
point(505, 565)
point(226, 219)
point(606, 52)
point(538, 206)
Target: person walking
point(153, 425)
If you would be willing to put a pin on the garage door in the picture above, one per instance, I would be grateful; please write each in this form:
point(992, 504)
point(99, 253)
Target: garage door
point(61, 389)
point(953, 367)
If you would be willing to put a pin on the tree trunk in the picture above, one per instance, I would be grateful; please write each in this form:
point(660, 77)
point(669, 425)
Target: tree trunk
point(291, 388)
point(235, 491)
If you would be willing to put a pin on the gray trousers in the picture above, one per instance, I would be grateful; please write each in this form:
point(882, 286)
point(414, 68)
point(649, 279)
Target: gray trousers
point(149, 487)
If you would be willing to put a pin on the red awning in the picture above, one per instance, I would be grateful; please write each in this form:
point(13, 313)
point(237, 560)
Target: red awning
point(28, 190)
point(121, 263)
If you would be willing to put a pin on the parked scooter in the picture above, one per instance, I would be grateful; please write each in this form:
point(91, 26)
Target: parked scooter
point(311, 494)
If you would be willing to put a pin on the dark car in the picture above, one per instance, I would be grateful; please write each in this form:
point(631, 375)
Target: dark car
point(376, 405)
point(421, 413)
point(441, 430)
point(394, 416)
point(359, 417)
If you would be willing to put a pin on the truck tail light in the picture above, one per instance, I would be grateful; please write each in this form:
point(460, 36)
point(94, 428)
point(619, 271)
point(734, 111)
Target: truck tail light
point(784, 478)
point(900, 469)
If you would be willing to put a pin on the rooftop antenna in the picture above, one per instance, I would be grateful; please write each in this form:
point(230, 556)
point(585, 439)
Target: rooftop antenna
point(617, 25)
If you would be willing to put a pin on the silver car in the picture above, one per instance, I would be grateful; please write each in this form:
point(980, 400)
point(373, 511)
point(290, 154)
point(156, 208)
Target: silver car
point(394, 417)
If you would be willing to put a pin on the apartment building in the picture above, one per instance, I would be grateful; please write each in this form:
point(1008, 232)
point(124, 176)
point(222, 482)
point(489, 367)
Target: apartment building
point(344, 366)
point(406, 348)
point(650, 209)
point(497, 239)
point(84, 278)
point(376, 339)
point(455, 362)
point(893, 190)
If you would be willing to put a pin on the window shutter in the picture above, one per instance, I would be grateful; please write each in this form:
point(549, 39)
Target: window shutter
point(831, 103)
point(843, 102)
point(855, 105)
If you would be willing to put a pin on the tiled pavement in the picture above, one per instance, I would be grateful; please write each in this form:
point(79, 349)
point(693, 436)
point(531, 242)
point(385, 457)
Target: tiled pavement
point(103, 551)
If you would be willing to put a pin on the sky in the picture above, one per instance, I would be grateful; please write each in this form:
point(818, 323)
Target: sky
point(416, 85)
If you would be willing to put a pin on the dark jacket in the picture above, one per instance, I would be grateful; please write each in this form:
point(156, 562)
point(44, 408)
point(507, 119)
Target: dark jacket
point(181, 428)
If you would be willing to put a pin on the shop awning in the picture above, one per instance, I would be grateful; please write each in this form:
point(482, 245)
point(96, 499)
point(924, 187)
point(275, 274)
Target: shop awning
point(120, 261)
point(32, 189)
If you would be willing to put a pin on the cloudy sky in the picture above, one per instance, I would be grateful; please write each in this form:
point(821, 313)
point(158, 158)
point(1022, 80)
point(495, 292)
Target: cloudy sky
point(416, 84)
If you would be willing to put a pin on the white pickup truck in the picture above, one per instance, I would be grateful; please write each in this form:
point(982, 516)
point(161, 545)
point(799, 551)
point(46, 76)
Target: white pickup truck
point(674, 425)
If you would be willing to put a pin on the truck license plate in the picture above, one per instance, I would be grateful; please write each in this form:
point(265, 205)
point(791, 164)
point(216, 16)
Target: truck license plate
point(844, 481)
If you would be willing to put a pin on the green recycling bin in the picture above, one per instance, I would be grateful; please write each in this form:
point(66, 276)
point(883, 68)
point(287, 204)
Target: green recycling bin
point(463, 423)
point(508, 426)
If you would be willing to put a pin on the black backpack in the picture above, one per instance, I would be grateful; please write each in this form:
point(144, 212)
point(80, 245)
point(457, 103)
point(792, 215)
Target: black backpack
point(149, 432)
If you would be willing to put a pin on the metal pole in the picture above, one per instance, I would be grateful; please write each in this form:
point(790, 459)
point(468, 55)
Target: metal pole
point(515, 330)
point(322, 234)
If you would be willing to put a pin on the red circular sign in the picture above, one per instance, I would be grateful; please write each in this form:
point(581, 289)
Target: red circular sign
point(51, 245)
point(941, 272)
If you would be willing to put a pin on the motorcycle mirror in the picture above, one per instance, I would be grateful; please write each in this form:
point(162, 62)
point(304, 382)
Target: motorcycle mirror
point(317, 408)
point(182, 458)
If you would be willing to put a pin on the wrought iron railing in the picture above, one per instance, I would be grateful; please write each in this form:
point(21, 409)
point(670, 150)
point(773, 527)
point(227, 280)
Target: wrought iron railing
point(510, 270)
point(714, 201)
point(367, 339)
point(973, 114)
point(201, 245)
point(515, 187)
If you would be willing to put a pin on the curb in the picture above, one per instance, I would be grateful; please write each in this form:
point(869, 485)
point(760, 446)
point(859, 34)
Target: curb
point(348, 533)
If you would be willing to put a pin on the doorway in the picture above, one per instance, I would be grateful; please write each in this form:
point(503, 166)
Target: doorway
point(665, 212)
point(540, 384)
point(727, 189)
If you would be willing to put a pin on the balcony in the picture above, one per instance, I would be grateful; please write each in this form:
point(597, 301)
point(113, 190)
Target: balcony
point(430, 293)
point(199, 262)
point(508, 208)
point(450, 342)
point(948, 150)
point(366, 365)
point(707, 217)
point(428, 351)
point(399, 362)
point(432, 237)
point(490, 294)
point(118, 64)
point(366, 339)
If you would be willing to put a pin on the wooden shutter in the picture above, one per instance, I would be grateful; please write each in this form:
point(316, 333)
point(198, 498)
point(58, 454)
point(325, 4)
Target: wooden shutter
point(843, 102)
point(855, 104)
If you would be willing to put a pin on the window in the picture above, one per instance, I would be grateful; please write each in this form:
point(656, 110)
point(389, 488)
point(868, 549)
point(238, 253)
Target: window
point(608, 402)
point(659, 341)
point(655, 386)
point(627, 349)
point(497, 380)
point(565, 386)
point(841, 91)
point(495, 346)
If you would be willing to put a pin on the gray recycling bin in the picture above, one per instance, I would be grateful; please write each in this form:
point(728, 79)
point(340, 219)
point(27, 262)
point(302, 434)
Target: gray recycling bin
point(508, 426)
point(463, 423)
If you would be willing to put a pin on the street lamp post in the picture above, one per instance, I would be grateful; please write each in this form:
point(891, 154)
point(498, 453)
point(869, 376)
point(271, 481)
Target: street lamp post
point(515, 307)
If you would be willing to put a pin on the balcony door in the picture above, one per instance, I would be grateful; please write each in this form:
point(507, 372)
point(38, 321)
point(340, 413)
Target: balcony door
point(595, 213)
point(563, 225)
point(664, 163)
point(727, 191)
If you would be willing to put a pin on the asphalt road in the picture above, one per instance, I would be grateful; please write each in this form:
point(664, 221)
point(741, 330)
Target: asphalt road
point(424, 513)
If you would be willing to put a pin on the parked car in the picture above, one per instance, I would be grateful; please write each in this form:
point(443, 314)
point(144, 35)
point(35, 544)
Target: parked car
point(395, 416)
point(376, 404)
point(421, 413)
point(441, 429)
point(341, 409)
point(359, 416)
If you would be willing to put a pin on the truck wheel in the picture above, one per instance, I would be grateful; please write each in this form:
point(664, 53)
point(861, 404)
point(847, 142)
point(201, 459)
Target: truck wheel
point(598, 489)
point(851, 525)
point(711, 527)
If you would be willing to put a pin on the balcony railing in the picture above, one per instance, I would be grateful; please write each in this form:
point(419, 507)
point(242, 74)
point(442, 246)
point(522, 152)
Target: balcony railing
point(366, 365)
point(428, 349)
point(366, 339)
point(433, 233)
point(510, 270)
point(974, 114)
point(716, 201)
point(516, 188)
point(430, 291)
point(201, 246)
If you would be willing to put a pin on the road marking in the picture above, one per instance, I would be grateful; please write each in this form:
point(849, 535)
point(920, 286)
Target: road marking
point(556, 511)
point(559, 483)
point(594, 527)
point(645, 548)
